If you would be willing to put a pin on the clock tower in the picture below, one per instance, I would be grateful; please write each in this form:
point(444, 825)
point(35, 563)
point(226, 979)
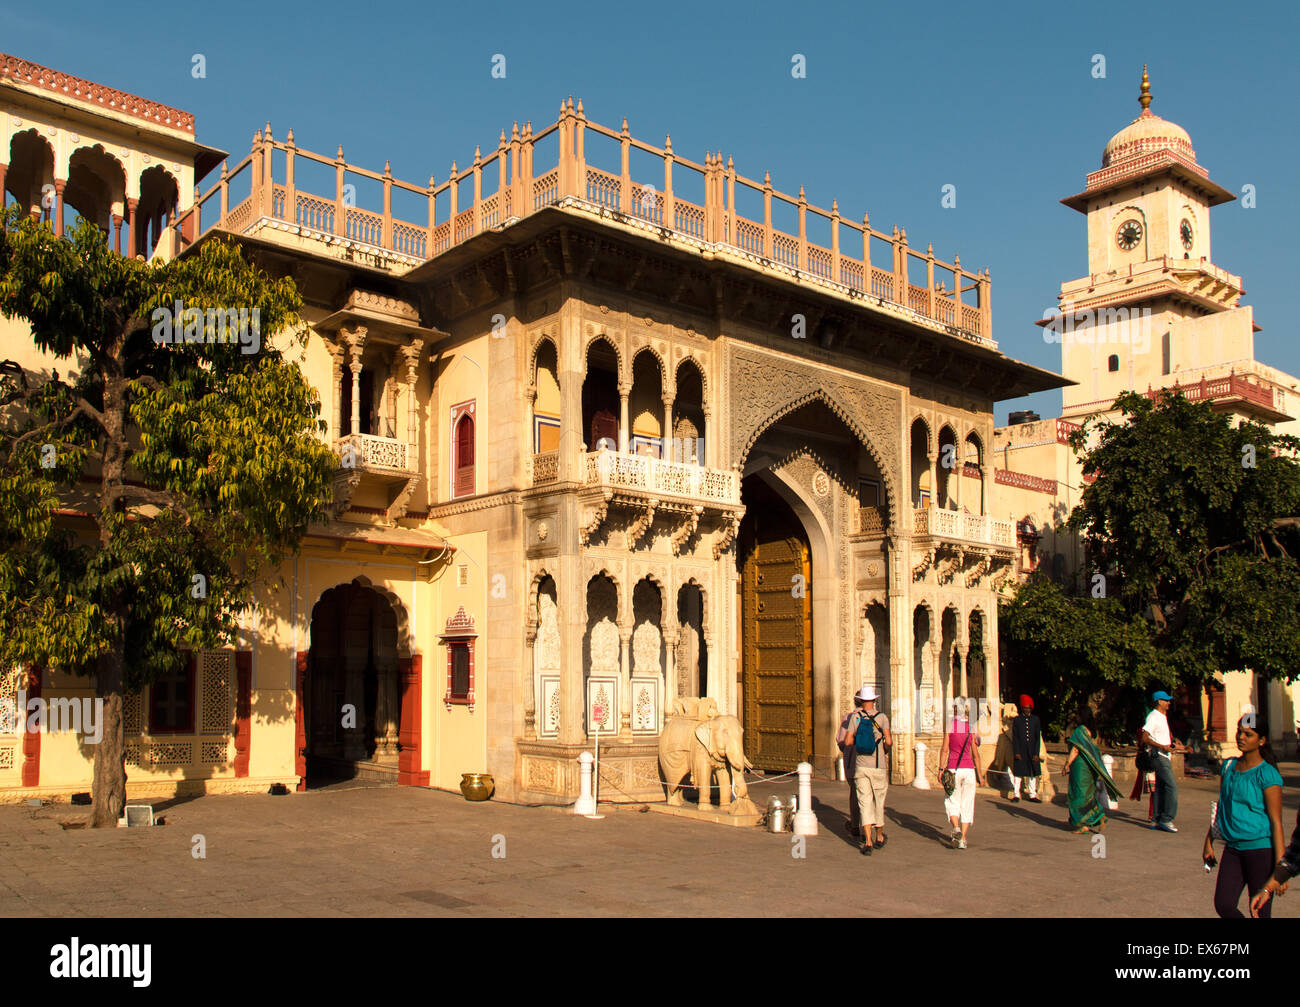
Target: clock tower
point(1153, 310)
point(1150, 199)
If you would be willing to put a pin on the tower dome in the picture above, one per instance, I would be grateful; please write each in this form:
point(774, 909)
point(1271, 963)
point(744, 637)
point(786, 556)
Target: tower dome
point(1147, 133)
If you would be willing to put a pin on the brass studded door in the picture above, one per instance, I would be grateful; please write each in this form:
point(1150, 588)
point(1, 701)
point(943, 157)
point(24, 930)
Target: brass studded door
point(776, 633)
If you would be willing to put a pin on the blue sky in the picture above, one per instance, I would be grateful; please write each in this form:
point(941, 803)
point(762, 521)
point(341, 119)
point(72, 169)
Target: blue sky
point(899, 100)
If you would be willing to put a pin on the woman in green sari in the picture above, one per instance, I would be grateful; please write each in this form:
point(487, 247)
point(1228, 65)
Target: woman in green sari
point(1085, 768)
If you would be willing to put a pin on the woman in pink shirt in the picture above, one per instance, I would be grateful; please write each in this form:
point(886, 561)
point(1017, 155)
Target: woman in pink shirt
point(959, 754)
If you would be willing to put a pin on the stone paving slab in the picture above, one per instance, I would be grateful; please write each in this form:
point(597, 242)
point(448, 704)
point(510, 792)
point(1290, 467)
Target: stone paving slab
point(371, 852)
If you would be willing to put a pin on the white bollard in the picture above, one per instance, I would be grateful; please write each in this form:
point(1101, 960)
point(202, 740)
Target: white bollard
point(586, 802)
point(805, 822)
point(1109, 803)
point(920, 782)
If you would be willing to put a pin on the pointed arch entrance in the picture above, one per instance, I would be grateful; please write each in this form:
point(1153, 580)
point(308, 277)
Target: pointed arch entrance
point(351, 692)
point(775, 562)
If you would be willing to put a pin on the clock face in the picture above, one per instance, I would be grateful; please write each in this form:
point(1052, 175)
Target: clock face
point(1128, 235)
point(1185, 232)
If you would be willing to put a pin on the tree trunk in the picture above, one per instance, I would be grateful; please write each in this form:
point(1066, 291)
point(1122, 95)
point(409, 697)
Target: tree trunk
point(108, 791)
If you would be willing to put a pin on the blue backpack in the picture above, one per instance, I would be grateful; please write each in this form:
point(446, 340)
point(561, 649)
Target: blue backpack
point(864, 739)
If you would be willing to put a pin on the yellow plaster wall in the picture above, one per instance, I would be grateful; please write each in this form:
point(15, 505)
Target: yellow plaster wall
point(456, 738)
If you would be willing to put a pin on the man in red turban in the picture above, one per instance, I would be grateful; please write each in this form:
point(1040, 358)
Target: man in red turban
point(1026, 743)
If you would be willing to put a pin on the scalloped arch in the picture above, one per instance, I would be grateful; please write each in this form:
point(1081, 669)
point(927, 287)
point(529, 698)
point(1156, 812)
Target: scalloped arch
point(887, 472)
point(613, 345)
point(399, 610)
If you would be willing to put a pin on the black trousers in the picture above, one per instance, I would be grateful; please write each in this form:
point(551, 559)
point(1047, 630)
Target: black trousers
point(1238, 869)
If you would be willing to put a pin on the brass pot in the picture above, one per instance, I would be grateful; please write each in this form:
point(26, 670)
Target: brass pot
point(477, 786)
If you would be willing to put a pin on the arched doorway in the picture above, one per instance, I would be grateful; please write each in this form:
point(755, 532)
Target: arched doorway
point(351, 695)
point(775, 562)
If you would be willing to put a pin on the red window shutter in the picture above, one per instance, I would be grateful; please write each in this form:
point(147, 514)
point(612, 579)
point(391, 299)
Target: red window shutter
point(464, 478)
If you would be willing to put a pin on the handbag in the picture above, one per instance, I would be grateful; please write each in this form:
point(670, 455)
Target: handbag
point(948, 778)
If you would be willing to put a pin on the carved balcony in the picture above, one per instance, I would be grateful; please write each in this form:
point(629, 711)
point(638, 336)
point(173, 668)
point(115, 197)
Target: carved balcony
point(651, 487)
point(376, 475)
point(960, 544)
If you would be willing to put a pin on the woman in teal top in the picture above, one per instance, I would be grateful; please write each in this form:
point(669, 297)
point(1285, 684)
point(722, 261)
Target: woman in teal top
point(1249, 820)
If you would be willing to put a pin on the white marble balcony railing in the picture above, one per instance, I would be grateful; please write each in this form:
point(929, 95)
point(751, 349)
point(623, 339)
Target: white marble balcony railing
point(956, 526)
point(657, 477)
point(369, 452)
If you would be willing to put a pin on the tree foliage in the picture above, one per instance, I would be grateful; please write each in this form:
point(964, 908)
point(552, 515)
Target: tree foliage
point(1191, 531)
point(145, 492)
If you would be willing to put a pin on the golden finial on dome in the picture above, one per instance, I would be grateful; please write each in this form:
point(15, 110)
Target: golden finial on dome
point(1144, 99)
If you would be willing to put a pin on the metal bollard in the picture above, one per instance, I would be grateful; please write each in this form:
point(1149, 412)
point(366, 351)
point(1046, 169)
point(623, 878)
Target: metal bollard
point(586, 802)
point(805, 822)
point(920, 782)
point(1108, 802)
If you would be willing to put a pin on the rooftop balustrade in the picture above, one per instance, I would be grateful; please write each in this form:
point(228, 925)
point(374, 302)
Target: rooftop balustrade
point(504, 186)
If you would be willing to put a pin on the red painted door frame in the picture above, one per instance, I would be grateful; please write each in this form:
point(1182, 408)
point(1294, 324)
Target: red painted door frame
point(300, 722)
point(31, 739)
point(409, 773)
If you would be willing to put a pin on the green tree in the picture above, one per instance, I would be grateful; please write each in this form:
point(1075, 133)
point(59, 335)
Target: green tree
point(144, 495)
point(1191, 531)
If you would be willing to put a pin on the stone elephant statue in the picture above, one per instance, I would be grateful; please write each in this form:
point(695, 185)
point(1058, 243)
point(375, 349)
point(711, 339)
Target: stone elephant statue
point(705, 746)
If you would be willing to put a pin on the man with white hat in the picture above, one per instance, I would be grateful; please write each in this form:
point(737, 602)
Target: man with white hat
point(867, 734)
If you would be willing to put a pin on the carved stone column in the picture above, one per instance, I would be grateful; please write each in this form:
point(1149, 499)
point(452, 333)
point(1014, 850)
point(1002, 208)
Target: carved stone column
point(337, 352)
point(625, 678)
point(665, 450)
point(386, 715)
point(530, 678)
point(356, 343)
point(131, 204)
point(930, 463)
point(671, 638)
point(706, 454)
point(411, 353)
point(624, 434)
point(963, 650)
point(59, 185)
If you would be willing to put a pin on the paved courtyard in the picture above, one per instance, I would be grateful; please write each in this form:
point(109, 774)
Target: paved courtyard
point(368, 851)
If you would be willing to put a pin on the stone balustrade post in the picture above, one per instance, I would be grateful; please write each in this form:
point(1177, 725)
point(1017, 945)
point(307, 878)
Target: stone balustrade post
point(386, 227)
point(290, 187)
point(340, 207)
point(670, 201)
point(803, 231)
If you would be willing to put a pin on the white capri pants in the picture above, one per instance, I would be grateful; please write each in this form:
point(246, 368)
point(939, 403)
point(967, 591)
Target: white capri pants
point(961, 805)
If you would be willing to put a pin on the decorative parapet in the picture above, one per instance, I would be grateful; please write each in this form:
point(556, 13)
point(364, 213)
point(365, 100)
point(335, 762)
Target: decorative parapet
point(956, 526)
point(1024, 481)
point(546, 468)
point(948, 296)
point(369, 451)
point(645, 473)
point(23, 71)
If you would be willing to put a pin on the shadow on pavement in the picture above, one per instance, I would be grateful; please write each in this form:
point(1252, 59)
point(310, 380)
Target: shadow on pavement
point(924, 829)
point(833, 821)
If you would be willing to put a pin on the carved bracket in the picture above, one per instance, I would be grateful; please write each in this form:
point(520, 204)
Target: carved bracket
point(927, 560)
point(642, 523)
point(345, 484)
point(592, 518)
point(687, 529)
point(397, 509)
point(981, 568)
point(728, 535)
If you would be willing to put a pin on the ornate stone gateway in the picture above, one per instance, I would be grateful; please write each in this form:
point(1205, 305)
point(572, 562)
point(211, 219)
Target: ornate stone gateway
point(776, 631)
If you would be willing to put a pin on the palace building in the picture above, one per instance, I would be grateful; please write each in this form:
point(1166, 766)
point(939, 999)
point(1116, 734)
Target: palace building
point(617, 438)
point(1153, 313)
